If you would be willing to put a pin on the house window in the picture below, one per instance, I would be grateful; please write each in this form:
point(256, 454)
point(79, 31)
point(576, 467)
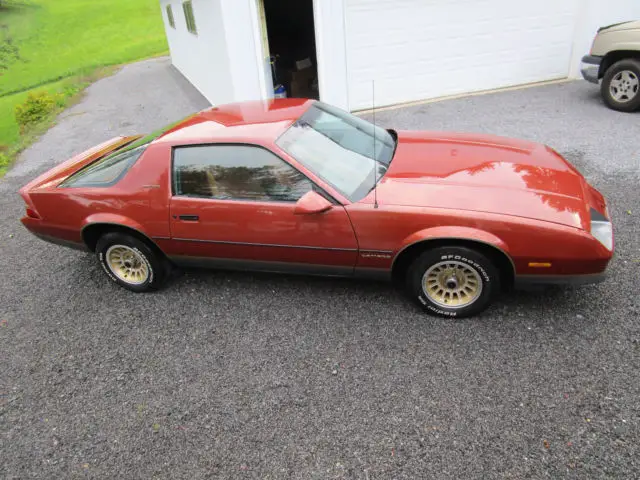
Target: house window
point(172, 22)
point(188, 16)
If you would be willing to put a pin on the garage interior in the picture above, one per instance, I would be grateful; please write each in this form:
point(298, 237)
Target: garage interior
point(290, 33)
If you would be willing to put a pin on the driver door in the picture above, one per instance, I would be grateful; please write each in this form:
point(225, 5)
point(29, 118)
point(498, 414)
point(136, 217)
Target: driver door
point(233, 205)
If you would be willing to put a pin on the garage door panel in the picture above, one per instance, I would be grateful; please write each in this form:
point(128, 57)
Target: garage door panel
point(417, 49)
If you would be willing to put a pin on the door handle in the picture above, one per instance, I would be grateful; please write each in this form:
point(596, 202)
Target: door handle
point(189, 218)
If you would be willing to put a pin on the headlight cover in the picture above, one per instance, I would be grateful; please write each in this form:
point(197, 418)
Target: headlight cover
point(603, 232)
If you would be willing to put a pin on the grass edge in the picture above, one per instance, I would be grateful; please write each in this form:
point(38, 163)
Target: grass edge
point(78, 83)
point(82, 72)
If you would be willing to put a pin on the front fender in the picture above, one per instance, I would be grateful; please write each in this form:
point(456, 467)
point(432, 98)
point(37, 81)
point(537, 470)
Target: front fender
point(454, 233)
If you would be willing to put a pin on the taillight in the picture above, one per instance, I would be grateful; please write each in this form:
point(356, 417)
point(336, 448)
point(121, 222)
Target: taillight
point(32, 213)
point(28, 204)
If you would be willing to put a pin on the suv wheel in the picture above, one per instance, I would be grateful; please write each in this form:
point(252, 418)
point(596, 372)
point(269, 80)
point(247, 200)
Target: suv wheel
point(621, 86)
point(453, 282)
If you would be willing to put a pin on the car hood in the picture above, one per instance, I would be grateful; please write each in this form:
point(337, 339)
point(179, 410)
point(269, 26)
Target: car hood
point(484, 173)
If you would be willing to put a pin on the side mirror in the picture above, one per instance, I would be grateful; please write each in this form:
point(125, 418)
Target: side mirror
point(312, 202)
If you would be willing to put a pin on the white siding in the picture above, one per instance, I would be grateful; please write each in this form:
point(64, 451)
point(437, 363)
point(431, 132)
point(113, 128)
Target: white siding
point(413, 49)
point(202, 58)
point(419, 49)
point(331, 50)
point(242, 40)
point(221, 60)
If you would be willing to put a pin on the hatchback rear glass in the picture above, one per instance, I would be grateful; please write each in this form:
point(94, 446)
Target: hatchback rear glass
point(111, 168)
point(108, 170)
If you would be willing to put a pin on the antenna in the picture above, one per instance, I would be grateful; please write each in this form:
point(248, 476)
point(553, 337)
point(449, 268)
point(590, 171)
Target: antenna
point(375, 161)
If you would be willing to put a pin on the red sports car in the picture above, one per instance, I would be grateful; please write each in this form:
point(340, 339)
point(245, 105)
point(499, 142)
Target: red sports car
point(299, 186)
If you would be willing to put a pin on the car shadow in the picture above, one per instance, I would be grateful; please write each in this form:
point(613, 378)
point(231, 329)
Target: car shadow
point(593, 96)
point(514, 303)
point(552, 308)
point(185, 277)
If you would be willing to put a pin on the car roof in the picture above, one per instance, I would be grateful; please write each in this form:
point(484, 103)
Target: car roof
point(259, 121)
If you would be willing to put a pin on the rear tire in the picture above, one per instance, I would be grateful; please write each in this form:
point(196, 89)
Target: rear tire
point(620, 87)
point(453, 282)
point(130, 262)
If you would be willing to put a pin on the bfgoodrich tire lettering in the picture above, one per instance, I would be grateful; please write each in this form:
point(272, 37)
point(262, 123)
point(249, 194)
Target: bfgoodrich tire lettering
point(146, 261)
point(453, 282)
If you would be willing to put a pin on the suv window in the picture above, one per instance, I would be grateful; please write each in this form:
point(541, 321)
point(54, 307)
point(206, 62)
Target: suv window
point(236, 172)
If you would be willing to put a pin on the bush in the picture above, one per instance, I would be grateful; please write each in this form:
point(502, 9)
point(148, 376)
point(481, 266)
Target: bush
point(8, 51)
point(36, 108)
point(4, 161)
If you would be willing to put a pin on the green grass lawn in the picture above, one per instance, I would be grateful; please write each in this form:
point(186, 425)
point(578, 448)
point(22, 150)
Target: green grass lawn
point(44, 41)
point(66, 91)
point(10, 133)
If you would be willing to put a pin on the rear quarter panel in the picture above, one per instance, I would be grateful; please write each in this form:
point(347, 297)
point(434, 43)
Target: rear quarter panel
point(139, 200)
point(61, 171)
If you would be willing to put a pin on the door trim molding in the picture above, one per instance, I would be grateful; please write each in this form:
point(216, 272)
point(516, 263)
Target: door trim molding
point(275, 245)
point(262, 266)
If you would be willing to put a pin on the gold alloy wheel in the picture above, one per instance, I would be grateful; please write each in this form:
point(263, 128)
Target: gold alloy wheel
point(452, 284)
point(127, 264)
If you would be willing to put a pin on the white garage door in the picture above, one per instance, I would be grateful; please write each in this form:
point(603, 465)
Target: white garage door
point(419, 49)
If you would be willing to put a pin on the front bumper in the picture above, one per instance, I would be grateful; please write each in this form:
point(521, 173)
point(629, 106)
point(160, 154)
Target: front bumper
point(590, 68)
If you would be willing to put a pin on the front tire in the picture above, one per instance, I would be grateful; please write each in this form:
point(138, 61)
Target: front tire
point(130, 263)
point(453, 282)
point(621, 86)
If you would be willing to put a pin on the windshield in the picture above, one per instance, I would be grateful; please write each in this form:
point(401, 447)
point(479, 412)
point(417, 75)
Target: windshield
point(339, 148)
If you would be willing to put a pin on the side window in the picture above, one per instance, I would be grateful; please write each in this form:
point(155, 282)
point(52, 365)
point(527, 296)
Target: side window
point(170, 19)
point(189, 18)
point(235, 172)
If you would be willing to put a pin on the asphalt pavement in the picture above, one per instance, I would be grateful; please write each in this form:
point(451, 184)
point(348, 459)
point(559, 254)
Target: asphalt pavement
point(239, 375)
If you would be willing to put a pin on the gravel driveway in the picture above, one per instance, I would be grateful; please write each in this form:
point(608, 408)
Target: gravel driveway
point(233, 375)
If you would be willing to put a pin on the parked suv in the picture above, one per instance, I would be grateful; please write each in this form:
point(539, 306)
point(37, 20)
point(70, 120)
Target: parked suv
point(615, 59)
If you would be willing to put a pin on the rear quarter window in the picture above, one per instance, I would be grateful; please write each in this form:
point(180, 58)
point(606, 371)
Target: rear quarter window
point(107, 171)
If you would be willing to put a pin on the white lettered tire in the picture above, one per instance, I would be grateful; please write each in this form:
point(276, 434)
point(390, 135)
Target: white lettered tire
point(453, 282)
point(130, 262)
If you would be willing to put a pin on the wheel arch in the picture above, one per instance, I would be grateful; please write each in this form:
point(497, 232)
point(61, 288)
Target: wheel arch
point(489, 245)
point(92, 231)
point(615, 56)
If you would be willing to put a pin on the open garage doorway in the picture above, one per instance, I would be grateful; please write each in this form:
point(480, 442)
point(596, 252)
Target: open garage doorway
point(289, 41)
